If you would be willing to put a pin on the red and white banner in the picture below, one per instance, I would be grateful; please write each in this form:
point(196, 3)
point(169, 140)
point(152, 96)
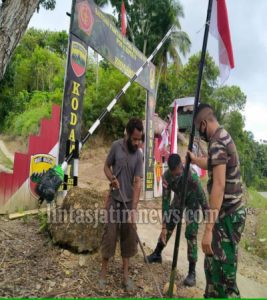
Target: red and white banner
point(164, 138)
point(123, 19)
point(219, 28)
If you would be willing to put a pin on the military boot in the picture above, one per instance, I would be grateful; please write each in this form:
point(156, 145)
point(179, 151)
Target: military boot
point(190, 280)
point(155, 256)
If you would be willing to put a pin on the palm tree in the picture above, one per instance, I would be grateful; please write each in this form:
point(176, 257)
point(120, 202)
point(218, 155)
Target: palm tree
point(148, 22)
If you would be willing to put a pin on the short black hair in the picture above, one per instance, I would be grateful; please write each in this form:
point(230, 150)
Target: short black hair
point(203, 106)
point(203, 111)
point(174, 161)
point(134, 123)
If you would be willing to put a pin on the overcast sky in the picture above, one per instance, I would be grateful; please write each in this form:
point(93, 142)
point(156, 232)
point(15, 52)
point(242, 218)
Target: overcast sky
point(249, 39)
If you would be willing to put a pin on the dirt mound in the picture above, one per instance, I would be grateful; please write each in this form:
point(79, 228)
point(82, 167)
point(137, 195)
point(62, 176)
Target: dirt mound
point(78, 223)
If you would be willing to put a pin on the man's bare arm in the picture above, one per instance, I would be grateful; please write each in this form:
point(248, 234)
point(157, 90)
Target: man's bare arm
point(136, 191)
point(216, 199)
point(202, 162)
point(216, 195)
point(108, 171)
point(110, 176)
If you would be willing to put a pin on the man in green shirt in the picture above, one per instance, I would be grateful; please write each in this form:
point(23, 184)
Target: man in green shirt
point(195, 198)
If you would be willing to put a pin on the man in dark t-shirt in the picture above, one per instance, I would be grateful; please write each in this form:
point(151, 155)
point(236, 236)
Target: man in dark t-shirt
point(124, 170)
point(227, 215)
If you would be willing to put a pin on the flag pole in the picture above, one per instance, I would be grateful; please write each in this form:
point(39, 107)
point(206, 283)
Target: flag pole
point(190, 146)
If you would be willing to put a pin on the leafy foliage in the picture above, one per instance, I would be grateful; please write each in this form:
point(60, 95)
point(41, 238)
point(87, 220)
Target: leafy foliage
point(48, 4)
point(35, 78)
point(183, 84)
point(148, 22)
point(99, 93)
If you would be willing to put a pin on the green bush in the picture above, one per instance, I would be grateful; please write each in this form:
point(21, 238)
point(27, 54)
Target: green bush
point(28, 122)
point(261, 184)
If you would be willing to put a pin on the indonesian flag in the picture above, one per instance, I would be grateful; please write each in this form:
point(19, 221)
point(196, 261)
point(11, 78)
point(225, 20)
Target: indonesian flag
point(174, 130)
point(219, 28)
point(123, 19)
point(164, 138)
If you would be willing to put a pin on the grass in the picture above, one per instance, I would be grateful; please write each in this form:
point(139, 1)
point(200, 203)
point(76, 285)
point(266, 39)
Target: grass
point(259, 242)
point(256, 200)
point(5, 161)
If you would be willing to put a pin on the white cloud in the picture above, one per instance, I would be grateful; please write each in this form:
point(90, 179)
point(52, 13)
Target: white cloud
point(256, 116)
point(248, 32)
point(53, 20)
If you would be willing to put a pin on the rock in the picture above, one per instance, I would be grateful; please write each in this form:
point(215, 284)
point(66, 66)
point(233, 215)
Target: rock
point(82, 260)
point(66, 253)
point(78, 223)
point(52, 283)
point(147, 289)
point(166, 288)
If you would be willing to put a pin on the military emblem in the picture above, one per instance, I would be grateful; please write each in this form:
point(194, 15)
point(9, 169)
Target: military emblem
point(85, 17)
point(40, 164)
point(78, 58)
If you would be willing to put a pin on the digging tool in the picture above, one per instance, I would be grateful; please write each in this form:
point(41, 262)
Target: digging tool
point(141, 245)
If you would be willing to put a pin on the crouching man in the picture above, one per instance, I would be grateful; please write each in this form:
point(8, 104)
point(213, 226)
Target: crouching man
point(195, 198)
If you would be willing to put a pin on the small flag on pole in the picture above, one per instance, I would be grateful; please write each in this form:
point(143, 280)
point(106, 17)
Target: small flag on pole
point(219, 28)
point(174, 130)
point(123, 19)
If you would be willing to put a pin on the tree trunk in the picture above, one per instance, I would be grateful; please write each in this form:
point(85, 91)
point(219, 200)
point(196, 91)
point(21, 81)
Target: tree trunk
point(14, 19)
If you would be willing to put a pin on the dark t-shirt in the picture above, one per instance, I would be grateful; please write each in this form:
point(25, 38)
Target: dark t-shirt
point(222, 150)
point(125, 166)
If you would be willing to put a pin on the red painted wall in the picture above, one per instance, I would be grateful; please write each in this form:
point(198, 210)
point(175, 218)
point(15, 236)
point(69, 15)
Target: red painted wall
point(40, 144)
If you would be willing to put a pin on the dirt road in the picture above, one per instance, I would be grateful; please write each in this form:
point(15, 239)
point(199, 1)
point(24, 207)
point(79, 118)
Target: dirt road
point(249, 288)
point(264, 194)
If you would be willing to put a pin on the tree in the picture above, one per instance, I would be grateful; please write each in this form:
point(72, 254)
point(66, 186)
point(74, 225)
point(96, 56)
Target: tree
point(99, 94)
point(14, 19)
point(147, 22)
point(226, 99)
point(183, 84)
point(36, 69)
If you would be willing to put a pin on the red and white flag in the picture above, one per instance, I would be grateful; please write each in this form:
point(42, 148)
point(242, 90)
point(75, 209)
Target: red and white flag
point(123, 19)
point(164, 139)
point(219, 28)
point(174, 130)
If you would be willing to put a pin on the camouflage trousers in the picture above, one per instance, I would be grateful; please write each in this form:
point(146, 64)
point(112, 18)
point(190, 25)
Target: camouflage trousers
point(191, 232)
point(221, 268)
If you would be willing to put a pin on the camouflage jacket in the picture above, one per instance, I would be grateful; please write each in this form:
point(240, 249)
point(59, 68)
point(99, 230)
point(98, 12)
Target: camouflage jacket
point(195, 196)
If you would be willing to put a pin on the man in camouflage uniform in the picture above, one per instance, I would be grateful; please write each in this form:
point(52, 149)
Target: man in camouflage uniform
point(227, 215)
point(195, 198)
